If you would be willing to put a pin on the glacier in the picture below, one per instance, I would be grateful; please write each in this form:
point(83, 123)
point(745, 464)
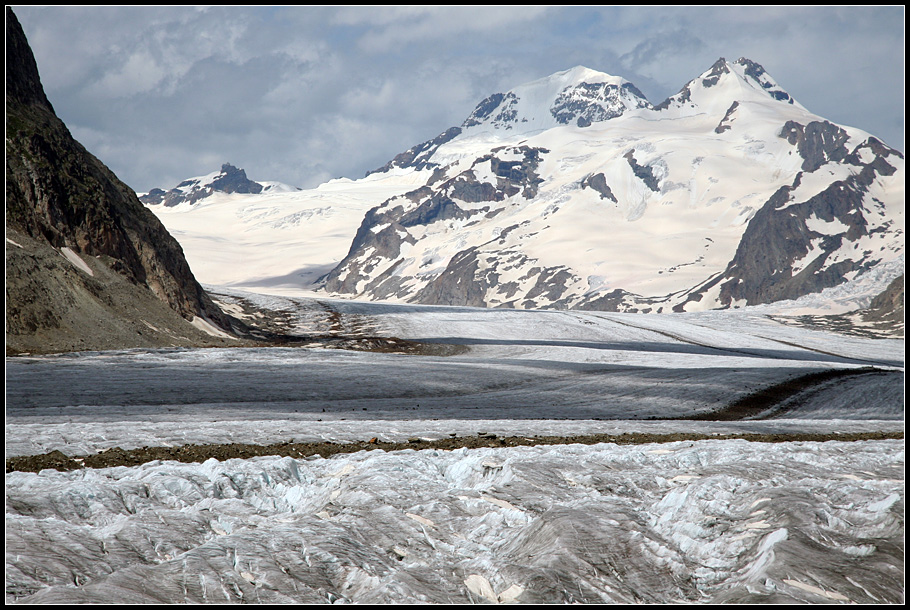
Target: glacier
point(708, 521)
point(701, 521)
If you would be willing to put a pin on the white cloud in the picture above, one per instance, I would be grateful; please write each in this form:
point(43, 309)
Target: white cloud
point(393, 27)
point(327, 91)
point(140, 73)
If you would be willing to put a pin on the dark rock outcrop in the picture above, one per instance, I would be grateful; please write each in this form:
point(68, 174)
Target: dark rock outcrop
point(462, 283)
point(504, 102)
point(588, 103)
point(716, 71)
point(889, 305)
point(230, 180)
point(817, 143)
point(724, 124)
point(598, 182)
point(62, 202)
point(643, 172)
point(757, 73)
point(233, 180)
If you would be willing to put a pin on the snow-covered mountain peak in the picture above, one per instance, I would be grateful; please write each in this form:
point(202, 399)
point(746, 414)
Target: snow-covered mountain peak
point(572, 77)
point(578, 96)
point(730, 194)
point(722, 85)
point(749, 69)
point(229, 180)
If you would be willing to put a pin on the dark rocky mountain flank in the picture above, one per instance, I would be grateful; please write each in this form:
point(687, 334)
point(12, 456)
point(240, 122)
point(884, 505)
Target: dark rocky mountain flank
point(779, 233)
point(888, 306)
point(87, 266)
point(417, 156)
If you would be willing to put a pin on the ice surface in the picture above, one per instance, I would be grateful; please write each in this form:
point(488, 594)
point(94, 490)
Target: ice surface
point(707, 521)
point(696, 521)
point(519, 365)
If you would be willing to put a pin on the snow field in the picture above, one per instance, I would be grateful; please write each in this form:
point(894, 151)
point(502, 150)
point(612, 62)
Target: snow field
point(275, 240)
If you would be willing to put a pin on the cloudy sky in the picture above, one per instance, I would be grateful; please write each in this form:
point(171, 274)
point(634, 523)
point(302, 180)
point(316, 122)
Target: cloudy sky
point(305, 94)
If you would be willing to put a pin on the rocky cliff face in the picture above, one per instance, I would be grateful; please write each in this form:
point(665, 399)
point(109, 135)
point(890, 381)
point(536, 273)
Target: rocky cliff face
point(795, 246)
point(888, 307)
point(82, 252)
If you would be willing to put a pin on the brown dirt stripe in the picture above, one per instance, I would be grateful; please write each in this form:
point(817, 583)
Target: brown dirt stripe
point(199, 453)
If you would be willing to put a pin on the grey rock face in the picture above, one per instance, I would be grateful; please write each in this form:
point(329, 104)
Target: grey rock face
point(418, 156)
point(643, 172)
point(779, 235)
point(504, 103)
point(441, 207)
point(484, 109)
point(717, 70)
point(615, 300)
point(587, 103)
point(234, 180)
point(756, 71)
point(724, 124)
point(817, 143)
point(551, 285)
point(759, 75)
point(154, 197)
point(598, 182)
point(460, 283)
point(889, 305)
point(23, 84)
point(683, 96)
point(385, 228)
point(53, 306)
point(516, 176)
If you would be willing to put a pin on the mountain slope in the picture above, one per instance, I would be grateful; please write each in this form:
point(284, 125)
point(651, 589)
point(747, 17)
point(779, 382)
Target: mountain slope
point(575, 192)
point(87, 266)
